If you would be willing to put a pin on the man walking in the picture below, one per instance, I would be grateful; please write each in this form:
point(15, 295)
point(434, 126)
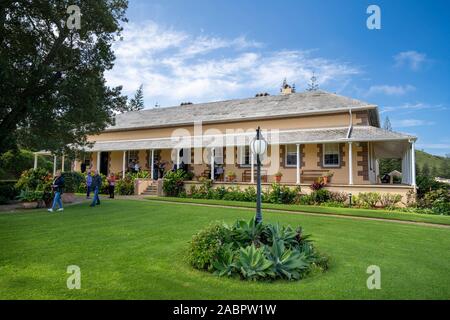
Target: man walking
point(96, 185)
point(57, 185)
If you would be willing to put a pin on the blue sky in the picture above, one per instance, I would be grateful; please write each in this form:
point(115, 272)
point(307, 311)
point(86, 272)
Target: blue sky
point(203, 51)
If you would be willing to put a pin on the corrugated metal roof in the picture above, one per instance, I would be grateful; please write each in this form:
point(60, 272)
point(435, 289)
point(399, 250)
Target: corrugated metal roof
point(241, 109)
point(302, 136)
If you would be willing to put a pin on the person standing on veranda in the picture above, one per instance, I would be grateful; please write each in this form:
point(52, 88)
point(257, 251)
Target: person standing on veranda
point(57, 186)
point(96, 185)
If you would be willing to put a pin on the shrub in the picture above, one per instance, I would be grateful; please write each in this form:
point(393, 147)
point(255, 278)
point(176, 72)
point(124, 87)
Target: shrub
point(30, 195)
point(281, 194)
point(173, 183)
point(338, 197)
point(320, 196)
point(207, 245)
point(305, 199)
point(7, 191)
point(33, 178)
point(72, 181)
point(255, 251)
point(317, 185)
point(367, 199)
point(125, 187)
point(390, 200)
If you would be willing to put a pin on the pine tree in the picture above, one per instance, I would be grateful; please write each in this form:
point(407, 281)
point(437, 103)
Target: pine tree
point(313, 85)
point(137, 102)
point(387, 124)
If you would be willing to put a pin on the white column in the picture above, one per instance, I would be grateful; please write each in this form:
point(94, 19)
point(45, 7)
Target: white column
point(152, 162)
point(98, 161)
point(54, 165)
point(62, 163)
point(298, 163)
point(252, 164)
point(212, 164)
point(35, 161)
point(413, 163)
point(124, 160)
point(178, 159)
point(350, 163)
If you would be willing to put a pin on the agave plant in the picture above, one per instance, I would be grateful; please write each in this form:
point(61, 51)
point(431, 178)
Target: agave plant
point(253, 264)
point(286, 263)
point(275, 232)
point(246, 233)
point(224, 265)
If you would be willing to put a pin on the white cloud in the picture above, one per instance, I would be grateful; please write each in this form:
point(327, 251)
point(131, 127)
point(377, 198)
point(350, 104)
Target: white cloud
point(411, 59)
point(404, 123)
point(411, 107)
point(175, 66)
point(390, 90)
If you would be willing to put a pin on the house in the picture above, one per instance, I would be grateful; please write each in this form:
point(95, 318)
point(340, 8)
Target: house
point(309, 134)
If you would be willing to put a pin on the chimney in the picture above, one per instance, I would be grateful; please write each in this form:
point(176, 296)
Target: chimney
point(286, 88)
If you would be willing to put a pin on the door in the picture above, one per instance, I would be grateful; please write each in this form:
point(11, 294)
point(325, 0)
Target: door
point(104, 163)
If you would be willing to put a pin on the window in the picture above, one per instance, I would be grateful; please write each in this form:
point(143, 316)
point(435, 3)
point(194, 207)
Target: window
point(331, 156)
point(218, 155)
point(244, 156)
point(291, 155)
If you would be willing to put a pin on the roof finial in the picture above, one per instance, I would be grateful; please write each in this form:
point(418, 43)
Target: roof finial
point(313, 85)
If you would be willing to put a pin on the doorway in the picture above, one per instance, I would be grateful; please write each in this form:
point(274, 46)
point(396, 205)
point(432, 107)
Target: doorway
point(104, 156)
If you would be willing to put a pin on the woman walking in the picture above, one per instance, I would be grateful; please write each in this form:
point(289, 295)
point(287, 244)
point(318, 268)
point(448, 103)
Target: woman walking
point(111, 184)
point(88, 184)
point(57, 186)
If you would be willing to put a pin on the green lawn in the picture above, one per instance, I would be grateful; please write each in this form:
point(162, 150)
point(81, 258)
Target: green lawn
point(135, 250)
point(367, 213)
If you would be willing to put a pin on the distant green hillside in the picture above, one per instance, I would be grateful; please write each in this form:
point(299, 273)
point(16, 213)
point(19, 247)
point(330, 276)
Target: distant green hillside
point(437, 165)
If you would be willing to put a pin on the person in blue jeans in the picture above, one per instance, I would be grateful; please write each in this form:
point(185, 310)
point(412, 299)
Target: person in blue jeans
point(96, 185)
point(88, 184)
point(58, 186)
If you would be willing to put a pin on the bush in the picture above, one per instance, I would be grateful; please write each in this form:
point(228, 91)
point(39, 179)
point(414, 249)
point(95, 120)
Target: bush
point(320, 196)
point(281, 194)
point(7, 191)
point(317, 185)
point(125, 187)
point(30, 196)
point(390, 200)
point(255, 251)
point(14, 162)
point(72, 181)
point(173, 183)
point(33, 178)
point(367, 199)
point(339, 197)
point(206, 246)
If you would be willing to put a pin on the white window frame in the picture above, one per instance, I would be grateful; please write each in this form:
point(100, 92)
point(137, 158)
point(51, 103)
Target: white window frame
point(325, 153)
point(286, 156)
point(242, 152)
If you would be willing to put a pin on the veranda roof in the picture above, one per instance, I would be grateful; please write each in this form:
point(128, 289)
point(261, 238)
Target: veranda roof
point(302, 136)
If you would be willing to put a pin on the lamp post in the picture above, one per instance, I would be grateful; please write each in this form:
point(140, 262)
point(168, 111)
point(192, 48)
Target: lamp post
point(258, 146)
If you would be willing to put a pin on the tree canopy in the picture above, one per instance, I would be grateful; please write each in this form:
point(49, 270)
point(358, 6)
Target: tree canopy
point(52, 87)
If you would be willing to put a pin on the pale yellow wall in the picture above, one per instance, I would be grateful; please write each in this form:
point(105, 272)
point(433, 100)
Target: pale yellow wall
point(322, 121)
point(116, 162)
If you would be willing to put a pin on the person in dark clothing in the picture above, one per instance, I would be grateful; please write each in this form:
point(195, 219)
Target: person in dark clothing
point(111, 184)
point(57, 186)
point(83, 167)
point(96, 185)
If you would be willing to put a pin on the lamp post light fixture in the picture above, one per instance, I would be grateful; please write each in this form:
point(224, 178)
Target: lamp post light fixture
point(258, 146)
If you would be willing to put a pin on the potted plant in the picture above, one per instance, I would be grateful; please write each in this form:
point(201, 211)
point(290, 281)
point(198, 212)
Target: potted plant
point(327, 177)
point(30, 199)
point(278, 176)
point(231, 176)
